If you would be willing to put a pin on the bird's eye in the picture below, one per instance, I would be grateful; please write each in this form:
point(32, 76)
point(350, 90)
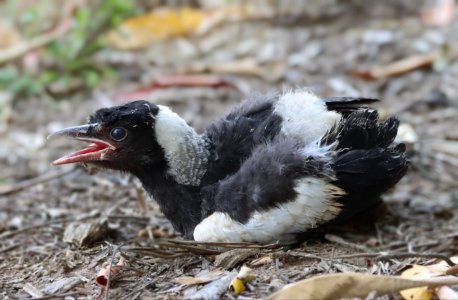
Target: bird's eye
point(118, 134)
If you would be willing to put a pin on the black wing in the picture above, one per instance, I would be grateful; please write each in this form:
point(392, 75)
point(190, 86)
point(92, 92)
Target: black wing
point(233, 138)
point(347, 104)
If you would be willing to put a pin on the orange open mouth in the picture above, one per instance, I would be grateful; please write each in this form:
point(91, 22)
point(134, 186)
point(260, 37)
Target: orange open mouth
point(95, 151)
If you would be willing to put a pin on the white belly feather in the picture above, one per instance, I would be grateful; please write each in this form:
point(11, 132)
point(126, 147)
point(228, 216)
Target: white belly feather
point(313, 205)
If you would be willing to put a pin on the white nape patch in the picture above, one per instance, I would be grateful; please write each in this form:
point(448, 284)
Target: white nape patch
point(305, 116)
point(185, 150)
point(314, 205)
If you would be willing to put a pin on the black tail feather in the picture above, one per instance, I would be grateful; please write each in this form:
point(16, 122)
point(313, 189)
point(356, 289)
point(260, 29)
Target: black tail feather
point(367, 164)
point(361, 130)
point(347, 105)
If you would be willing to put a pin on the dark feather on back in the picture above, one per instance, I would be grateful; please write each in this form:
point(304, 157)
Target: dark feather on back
point(233, 138)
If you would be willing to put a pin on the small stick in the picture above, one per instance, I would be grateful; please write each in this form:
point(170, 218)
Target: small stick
point(113, 255)
point(8, 234)
point(11, 247)
point(279, 274)
point(55, 296)
point(338, 240)
point(4, 191)
point(416, 255)
point(304, 255)
point(358, 255)
point(388, 256)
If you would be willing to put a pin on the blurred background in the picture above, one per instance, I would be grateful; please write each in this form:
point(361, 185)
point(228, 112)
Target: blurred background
point(62, 60)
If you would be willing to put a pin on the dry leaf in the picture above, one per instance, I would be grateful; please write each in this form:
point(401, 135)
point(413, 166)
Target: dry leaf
point(163, 23)
point(349, 285)
point(399, 67)
point(102, 276)
point(204, 278)
point(424, 272)
point(419, 293)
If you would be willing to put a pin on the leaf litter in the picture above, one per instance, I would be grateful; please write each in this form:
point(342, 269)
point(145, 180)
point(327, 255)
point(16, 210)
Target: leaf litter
point(38, 205)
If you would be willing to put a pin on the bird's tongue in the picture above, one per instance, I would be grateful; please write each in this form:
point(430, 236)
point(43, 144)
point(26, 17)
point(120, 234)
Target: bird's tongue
point(94, 151)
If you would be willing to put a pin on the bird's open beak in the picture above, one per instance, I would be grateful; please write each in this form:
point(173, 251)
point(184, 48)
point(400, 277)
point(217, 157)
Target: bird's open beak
point(96, 150)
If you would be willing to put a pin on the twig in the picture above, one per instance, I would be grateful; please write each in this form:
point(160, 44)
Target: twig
point(388, 256)
point(415, 255)
point(8, 234)
point(55, 296)
point(304, 255)
point(338, 240)
point(279, 274)
point(113, 255)
point(139, 290)
point(155, 253)
point(358, 255)
point(34, 181)
point(11, 247)
point(171, 248)
point(227, 245)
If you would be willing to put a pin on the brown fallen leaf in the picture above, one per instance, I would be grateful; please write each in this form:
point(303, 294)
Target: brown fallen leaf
point(104, 273)
point(204, 278)
point(397, 68)
point(350, 285)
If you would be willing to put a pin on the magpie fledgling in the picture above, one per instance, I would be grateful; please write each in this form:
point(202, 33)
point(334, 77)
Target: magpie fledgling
point(274, 168)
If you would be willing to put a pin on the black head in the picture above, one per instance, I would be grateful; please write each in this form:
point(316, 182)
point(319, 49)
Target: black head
point(120, 137)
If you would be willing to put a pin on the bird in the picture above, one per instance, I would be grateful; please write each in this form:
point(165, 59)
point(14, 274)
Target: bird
point(273, 168)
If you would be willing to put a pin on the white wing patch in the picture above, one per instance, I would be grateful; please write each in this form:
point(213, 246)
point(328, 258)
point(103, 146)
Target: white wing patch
point(314, 205)
point(305, 116)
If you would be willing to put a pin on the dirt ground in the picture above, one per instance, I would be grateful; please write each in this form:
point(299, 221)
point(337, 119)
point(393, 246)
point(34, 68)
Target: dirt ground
point(325, 49)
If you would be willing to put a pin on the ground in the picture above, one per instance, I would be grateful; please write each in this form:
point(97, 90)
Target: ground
point(328, 51)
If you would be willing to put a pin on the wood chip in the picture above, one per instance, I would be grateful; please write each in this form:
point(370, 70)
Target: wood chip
point(62, 285)
point(201, 279)
point(232, 258)
point(214, 289)
point(85, 234)
point(32, 290)
point(264, 260)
